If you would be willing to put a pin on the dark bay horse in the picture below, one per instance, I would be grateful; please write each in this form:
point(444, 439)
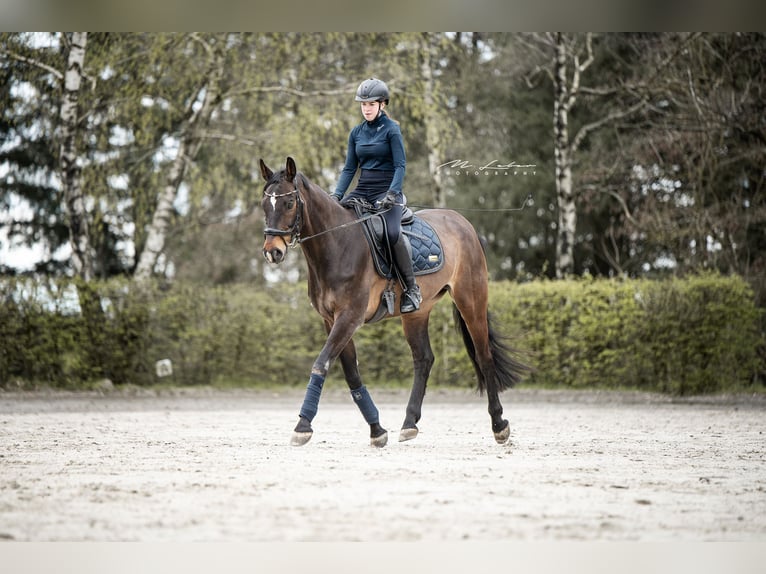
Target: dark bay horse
point(345, 289)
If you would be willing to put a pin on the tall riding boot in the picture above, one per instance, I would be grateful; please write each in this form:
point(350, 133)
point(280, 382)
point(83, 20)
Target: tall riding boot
point(411, 297)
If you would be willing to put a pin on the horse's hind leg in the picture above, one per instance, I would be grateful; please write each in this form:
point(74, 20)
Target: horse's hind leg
point(378, 435)
point(416, 331)
point(473, 321)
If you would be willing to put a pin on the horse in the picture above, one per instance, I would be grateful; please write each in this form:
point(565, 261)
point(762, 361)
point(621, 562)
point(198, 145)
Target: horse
point(346, 291)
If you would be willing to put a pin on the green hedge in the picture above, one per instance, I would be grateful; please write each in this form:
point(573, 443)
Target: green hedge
point(211, 334)
point(695, 335)
point(680, 336)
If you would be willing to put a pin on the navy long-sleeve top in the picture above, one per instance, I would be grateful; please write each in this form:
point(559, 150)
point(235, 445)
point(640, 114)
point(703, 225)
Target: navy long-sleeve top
point(375, 146)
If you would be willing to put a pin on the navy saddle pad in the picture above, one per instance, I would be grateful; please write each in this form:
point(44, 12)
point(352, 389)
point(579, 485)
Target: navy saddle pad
point(427, 254)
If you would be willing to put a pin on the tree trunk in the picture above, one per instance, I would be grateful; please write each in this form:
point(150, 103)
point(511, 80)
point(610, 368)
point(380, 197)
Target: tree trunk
point(79, 225)
point(187, 150)
point(433, 122)
point(567, 214)
point(79, 235)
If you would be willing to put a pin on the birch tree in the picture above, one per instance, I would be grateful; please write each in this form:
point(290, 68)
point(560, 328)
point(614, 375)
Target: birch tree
point(565, 94)
point(199, 110)
point(64, 77)
point(71, 185)
point(572, 57)
point(432, 118)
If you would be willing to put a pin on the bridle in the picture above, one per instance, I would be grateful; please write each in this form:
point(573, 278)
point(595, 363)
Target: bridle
point(295, 228)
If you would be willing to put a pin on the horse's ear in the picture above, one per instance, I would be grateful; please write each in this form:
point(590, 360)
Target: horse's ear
point(290, 169)
point(266, 173)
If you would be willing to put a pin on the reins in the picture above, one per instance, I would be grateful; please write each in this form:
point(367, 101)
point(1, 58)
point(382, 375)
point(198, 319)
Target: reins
point(344, 225)
point(527, 201)
point(295, 229)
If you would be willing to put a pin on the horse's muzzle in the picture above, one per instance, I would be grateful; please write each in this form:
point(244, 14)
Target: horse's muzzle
point(274, 249)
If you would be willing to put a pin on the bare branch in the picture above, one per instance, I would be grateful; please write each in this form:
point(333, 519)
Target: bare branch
point(642, 85)
point(624, 206)
point(537, 43)
point(528, 78)
point(579, 68)
point(37, 63)
point(614, 261)
point(660, 68)
point(589, 50)
point(286, 90)
point(693, 95)
point(249, 141)
point(603, 91)
point(205, 44)
point(583, 132)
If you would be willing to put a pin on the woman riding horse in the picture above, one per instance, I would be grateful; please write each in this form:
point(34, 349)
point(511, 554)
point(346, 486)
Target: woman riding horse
point(346, 290)
point(376, 147)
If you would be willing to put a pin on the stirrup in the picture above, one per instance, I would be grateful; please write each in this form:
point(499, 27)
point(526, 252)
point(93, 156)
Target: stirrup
point(411, 300)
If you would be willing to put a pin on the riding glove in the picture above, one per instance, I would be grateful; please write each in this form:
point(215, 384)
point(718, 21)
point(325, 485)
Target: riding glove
point(389, 201)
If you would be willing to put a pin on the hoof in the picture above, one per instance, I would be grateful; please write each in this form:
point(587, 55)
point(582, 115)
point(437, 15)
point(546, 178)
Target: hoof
point(379, 441)
point(300, 438)
point(502, 436)
point(408, 434)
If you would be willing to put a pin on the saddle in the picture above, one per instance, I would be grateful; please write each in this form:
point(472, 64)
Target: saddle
point(427, 256)
point(426, 248)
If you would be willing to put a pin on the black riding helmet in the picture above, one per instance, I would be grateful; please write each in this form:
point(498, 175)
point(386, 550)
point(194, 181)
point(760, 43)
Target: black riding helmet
point(372, 90)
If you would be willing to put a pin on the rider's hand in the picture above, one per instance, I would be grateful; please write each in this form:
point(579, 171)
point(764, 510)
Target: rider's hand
point(389, 201)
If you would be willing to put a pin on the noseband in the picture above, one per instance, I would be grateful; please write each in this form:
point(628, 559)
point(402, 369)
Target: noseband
point(295, 228)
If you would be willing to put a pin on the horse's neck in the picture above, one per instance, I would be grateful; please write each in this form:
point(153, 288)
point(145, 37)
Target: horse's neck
point(319, 214)
point(328, 242)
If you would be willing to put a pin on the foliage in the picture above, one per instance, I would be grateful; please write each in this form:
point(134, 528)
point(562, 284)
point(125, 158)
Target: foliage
point(674, 188)
point(680, 336)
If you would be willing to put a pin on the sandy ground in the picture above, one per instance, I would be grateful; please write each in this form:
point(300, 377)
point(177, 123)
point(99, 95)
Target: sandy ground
point(203, 465)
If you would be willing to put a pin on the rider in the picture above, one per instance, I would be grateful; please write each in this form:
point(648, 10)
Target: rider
point(376, 147)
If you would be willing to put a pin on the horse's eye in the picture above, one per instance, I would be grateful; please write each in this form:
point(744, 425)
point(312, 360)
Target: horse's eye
point(290, 203)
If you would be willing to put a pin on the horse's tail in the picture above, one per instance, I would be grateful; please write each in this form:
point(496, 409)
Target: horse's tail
point(508, 371)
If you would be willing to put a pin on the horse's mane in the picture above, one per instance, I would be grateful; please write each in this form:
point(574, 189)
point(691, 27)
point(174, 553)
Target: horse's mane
point(304, 180)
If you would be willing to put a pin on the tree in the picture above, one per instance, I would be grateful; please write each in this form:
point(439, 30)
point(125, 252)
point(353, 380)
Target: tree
point(572, 57)
point(652, 165)
point(199, 110)
point(58, 157)
point(79, 235)
point(436, 124)
point(489, 118)
point(32, 73)
point(698, 192)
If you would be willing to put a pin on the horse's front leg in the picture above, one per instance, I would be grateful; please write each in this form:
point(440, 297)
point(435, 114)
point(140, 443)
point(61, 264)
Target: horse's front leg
point(362, 398)
point(339, 337)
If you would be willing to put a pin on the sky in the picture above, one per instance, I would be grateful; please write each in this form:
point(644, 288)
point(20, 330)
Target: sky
point(18, 256)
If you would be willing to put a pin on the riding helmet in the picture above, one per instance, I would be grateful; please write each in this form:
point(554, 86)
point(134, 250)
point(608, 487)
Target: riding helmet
point(372, 90)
